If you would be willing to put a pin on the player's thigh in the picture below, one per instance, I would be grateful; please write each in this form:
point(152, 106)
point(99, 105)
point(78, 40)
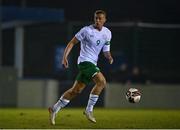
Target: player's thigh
point(78, 86)
point(99, 78)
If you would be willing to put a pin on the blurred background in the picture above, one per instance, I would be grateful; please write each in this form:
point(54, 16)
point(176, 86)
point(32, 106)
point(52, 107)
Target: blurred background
point(145, 47)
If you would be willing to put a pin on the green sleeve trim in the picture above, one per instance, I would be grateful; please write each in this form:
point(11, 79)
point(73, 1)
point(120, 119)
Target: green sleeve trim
point(107, 43)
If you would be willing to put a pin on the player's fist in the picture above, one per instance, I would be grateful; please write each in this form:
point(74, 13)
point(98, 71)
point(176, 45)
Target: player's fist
point(65, 63)
point(111, 60)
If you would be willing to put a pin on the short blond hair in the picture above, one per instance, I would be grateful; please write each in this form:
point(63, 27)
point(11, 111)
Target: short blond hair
point(100, 12)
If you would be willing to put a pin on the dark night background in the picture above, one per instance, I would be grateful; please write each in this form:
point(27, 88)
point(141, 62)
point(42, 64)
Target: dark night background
point(161, 11)
point(146, 51)
point(154, 50)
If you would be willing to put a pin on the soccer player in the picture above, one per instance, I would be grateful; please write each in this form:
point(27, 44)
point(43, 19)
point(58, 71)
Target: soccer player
point(93, 39)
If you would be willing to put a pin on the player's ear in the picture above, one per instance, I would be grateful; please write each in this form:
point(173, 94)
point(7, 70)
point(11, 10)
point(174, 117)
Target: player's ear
point(105, 19)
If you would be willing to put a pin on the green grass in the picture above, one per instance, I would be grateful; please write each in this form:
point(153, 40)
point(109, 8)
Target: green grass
point(106, 118)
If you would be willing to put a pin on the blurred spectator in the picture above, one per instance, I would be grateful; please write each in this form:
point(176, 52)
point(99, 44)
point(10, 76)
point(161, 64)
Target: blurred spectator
point(138, 75)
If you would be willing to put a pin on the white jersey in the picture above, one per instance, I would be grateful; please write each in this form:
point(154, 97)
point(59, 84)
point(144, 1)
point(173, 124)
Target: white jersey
point(92, 41)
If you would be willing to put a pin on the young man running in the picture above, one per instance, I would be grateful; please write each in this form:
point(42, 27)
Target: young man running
point(93, 39)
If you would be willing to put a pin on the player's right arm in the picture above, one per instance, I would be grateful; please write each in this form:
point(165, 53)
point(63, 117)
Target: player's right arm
point(68, 50)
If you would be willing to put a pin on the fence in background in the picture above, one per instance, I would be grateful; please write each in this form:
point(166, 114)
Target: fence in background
point(142, 51)
point(37, 93)
point(8, 87)
point(44, 93)
point(153, 96)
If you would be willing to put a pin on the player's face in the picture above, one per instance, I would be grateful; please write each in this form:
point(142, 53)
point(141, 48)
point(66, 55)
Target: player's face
point(99, 20)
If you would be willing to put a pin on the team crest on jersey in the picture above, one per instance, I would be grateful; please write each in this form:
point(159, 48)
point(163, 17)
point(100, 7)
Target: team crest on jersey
point(104, 36)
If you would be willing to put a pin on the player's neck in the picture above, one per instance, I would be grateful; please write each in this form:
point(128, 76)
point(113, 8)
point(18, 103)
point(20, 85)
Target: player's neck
point(98, 28)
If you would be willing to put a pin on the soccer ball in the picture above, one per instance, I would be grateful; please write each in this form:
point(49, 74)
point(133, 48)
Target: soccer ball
point(133, 95)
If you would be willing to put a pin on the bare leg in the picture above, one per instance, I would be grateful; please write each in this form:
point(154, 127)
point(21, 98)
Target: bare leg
point(100, 83)
point(94, 95)
point(74, 91)
point(69, 95)
point(65, 99)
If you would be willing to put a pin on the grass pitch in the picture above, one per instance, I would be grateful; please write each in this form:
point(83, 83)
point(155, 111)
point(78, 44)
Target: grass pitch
point(106, 119)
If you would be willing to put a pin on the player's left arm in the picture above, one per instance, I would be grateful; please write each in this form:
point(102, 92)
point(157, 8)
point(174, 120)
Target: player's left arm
point(106, 47)
point(108, 56)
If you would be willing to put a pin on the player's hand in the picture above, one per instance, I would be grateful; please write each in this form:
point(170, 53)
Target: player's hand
point(111, 60)
point(65, 63)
